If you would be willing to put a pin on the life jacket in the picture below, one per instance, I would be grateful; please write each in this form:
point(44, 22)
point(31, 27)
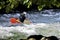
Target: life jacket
point(22, 18)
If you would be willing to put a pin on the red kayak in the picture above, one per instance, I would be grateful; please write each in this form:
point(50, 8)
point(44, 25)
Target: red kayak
point(14, 20)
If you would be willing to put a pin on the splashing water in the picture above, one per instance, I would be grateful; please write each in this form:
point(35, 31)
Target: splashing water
point(46, 23)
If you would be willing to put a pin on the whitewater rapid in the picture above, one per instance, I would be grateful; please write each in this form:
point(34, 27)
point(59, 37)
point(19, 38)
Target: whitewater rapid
point(45, 16)
point(46, 22)
point(40, 28)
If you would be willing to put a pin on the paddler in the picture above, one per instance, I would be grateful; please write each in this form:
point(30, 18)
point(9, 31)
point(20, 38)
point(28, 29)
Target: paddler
point(22, 17)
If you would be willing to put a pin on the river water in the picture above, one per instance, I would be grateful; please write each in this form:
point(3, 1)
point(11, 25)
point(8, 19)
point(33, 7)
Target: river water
point(46, 16)
point(46, 22)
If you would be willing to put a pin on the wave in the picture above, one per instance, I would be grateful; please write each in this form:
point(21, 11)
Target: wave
point(40, 28)
point(45, 16)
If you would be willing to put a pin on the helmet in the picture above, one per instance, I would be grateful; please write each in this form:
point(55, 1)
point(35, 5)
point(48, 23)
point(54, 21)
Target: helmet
point(24, 12)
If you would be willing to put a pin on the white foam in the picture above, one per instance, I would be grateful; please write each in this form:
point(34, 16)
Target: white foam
point(31, 29)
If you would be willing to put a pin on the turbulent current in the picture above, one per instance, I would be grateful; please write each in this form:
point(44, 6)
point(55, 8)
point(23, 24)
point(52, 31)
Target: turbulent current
point(46, 22)
point(45, 16)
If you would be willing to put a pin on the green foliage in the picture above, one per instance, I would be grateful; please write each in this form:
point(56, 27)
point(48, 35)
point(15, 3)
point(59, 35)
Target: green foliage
point(29, 4)
point(40, 7)
point(2, 4)
point(25, 1)
point(9, 5)
point(0, 7)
